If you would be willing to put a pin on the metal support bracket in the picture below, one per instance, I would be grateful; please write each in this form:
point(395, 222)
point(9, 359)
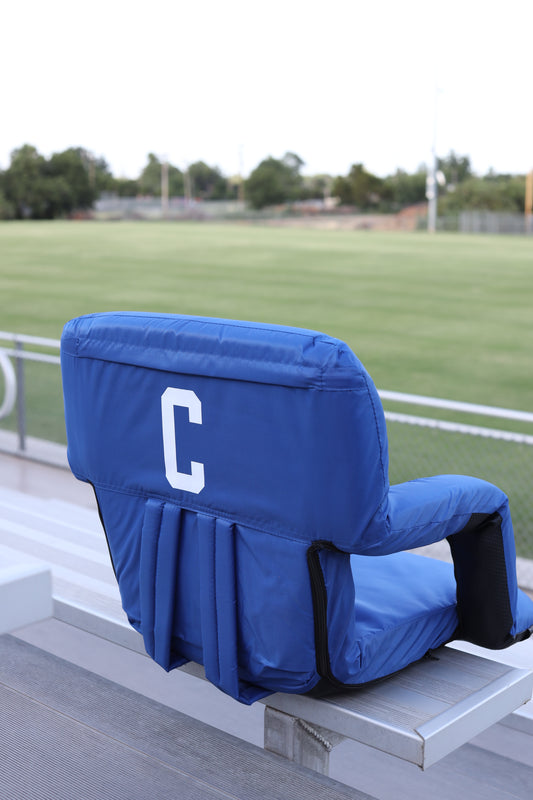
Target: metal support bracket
point(298, 741)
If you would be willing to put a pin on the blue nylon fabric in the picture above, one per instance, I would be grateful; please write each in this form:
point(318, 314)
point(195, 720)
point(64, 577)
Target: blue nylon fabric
point(157, 581)
point(217, 348)
point(165, 587)
point(416, 621)
point(292, 446)
point(218, 604)
point(218, 608)
point(147, 573)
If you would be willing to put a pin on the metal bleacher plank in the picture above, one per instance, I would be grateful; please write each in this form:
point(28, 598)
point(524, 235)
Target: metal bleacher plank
point(80, 573)
point(68, 733)
point(423, 712)
point(39, 538)
point(469, 772)
point(54, 522)
point(107, 623)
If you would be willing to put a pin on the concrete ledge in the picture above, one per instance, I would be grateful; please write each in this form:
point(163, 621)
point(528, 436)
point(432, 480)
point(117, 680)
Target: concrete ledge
point(25, 594)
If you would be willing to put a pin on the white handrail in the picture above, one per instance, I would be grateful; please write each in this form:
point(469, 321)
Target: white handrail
point(457, 427)
point(41, 341)
point(454, 405)
point(30, 356)
point(37, 341)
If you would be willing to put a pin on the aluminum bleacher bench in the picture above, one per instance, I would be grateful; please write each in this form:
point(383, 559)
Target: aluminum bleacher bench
point(68, 733)
point(420, 714)
point(241, 475)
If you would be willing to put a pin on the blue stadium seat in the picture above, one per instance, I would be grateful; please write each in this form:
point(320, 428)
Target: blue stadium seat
point(241, 472)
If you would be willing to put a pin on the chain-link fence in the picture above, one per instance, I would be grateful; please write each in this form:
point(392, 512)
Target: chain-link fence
point(493, 222)
point(427, 436)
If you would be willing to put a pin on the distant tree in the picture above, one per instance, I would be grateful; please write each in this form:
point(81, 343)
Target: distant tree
point(342, 190)
point(208, 183)
point(295, 181)
point(235, 187)
point(316, 187)
point(100, 176)
point(29, 188)
point(150, 178)
point(175, 181)
point(25, 171)
point(510, 189)
point(493, 193)
point(73, 166)
point(6, 208)
point(360, 188)
point(275, 181)
point(403, 189)
point(456, 169)
point(38, 188)
point(266, 185)
point(125, 187)
point(293, 162)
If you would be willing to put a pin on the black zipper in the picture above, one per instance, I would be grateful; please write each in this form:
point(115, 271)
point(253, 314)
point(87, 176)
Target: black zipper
point(104, 528)
point(320, 607)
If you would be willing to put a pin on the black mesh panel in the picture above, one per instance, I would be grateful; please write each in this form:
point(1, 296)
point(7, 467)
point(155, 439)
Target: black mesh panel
point(483, 604)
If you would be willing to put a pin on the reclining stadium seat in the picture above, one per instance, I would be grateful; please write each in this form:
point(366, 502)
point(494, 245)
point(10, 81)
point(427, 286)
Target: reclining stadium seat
point(241, 473)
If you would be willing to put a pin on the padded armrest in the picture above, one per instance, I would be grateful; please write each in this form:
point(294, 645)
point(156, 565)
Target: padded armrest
point(474, 516)
point(428, 510)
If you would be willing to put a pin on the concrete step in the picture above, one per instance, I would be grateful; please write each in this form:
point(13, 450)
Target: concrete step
point(25, 590)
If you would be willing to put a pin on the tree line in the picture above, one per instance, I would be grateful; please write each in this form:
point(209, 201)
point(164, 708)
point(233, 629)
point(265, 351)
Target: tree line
point(34, 187)
point(460, 189)
point(71, 181)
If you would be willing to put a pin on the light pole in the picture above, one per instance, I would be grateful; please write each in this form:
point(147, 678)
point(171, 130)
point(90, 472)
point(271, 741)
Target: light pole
point(431, 182)
point(431, 194)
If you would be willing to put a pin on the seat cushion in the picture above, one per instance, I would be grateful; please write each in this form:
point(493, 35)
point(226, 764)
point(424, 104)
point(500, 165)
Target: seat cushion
point(405, 605)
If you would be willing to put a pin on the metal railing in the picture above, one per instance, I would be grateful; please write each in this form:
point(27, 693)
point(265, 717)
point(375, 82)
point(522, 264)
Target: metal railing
point(464, 408)
point(15, 378)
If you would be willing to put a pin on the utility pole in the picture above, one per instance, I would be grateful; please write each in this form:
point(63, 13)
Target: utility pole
point(431, 181)
point(529, 203)
point(431, 194)
point(187, 193)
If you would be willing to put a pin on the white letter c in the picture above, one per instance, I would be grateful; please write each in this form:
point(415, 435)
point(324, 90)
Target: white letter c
point(184, 398)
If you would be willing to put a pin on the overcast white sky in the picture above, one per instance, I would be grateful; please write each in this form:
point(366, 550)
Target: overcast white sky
point(233, 81)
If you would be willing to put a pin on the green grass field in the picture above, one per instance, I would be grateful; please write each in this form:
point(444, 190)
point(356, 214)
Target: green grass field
point(444, 315)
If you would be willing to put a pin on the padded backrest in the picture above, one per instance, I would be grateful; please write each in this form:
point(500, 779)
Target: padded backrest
point(273, 427)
